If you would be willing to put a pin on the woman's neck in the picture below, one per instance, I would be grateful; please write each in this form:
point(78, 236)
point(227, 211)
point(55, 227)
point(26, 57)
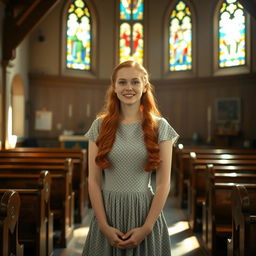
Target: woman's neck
point(130, 114)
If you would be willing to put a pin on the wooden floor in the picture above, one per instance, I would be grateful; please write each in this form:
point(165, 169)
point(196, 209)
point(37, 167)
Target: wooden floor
point(183, 241)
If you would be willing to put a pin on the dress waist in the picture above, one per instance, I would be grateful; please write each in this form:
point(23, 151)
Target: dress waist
point(148, 191)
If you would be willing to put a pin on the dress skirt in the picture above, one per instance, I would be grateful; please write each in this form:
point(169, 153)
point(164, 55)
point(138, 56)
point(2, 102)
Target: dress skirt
point(125, 211)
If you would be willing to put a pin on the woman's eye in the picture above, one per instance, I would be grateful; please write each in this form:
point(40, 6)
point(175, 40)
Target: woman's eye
point(136, 82)
point(121, 82)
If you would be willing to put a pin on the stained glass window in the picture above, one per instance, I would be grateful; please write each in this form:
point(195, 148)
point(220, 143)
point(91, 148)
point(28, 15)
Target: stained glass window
point(180, 38)
point(231, 34)
point(78, 36)
point(131, 35)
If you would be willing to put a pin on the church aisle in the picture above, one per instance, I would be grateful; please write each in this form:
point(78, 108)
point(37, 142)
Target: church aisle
point(184, 241)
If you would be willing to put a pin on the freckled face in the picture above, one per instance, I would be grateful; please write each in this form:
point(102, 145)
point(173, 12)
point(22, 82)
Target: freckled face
point(130, 85)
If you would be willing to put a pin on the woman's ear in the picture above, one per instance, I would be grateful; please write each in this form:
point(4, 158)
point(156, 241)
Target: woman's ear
point(145, 80)
point(145, 88)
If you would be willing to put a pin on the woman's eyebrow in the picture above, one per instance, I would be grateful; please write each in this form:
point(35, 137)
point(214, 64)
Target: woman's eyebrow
point(124, 79)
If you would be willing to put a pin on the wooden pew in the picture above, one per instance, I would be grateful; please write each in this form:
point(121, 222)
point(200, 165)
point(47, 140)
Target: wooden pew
point(62, 196)
point(80, 172)
point(182, 155)
point(231, 170)
point(175, 171)
point(215, 150)
point(243, 238)
point(228, 156)
point(9, 216)
point(219, 213)
point(199, 162)
point(36, 220)
point(197, 185)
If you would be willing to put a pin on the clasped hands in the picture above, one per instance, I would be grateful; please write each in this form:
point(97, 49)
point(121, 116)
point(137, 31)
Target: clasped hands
point(126, 241)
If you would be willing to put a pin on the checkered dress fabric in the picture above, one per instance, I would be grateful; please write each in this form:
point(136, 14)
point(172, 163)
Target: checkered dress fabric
point(127, 193)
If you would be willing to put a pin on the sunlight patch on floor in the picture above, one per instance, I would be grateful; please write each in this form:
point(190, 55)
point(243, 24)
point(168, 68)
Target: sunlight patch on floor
point(178, 227)
point(185, 246)
point(81, 232)
point(71, 252)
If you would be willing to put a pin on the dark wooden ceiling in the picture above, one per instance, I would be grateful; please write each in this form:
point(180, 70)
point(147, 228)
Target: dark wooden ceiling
point(20, 17)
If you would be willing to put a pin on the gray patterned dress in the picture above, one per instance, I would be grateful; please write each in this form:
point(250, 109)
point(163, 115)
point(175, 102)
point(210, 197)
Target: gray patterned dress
point(127, 193)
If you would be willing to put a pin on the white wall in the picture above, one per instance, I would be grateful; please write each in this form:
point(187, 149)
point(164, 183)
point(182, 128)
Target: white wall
point(18, 66)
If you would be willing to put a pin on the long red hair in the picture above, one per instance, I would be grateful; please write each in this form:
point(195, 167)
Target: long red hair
point(111, 119)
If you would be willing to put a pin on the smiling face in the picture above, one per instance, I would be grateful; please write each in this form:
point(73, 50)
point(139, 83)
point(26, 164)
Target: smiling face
point(130, 84)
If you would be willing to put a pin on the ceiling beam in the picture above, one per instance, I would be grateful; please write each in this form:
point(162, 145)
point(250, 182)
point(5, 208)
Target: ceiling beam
point(27, 12)
point(15, 29)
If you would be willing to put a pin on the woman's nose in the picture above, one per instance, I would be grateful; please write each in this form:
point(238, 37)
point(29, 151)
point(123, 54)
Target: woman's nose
point(129, 86)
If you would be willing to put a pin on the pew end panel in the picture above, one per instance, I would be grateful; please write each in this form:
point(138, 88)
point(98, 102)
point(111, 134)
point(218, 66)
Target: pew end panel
point(243, 220)
point(9, 216)
point(220, 211)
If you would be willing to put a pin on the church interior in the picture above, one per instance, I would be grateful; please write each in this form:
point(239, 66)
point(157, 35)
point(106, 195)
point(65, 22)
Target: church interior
point(57, 57)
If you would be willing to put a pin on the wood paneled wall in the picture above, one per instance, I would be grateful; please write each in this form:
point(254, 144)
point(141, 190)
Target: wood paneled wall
point(183, 102)
point(56, 94)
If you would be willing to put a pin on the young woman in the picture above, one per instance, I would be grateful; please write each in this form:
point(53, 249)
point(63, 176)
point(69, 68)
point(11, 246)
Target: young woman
point(128, 141)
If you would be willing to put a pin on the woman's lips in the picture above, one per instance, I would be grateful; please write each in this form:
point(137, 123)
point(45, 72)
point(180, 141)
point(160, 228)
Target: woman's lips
point(128, 95)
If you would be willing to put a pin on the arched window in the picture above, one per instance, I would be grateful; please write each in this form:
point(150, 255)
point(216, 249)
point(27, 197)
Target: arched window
point(78, 54)
point(180, 38)
point(232, 34)
point(231, 38)
point(131, 30)
point(78, 40)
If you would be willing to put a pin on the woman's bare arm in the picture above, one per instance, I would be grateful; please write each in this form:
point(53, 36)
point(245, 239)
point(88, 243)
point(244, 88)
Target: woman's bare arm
point(95, 182)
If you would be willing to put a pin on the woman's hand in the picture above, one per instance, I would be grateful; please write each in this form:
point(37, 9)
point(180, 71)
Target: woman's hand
point(133, 238)
point(113, 235)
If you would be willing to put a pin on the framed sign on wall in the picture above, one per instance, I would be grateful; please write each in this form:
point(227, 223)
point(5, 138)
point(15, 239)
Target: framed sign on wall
point(228, 110)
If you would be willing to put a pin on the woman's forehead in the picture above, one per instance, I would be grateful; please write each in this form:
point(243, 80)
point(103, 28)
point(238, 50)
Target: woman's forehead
point(129, 73)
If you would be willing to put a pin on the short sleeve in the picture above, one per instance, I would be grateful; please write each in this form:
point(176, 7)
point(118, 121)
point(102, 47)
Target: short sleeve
point(93, 132)
point(166, 132)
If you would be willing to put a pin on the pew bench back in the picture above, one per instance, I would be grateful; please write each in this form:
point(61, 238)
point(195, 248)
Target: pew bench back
point(35, 219)
point(79, 175)
point(62, 196)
